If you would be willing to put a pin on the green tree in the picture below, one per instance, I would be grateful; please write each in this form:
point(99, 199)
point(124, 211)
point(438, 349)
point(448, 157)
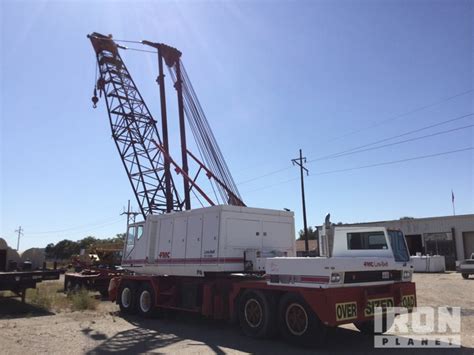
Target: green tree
point(87, 242)
point(312, 233)
point(64, 249)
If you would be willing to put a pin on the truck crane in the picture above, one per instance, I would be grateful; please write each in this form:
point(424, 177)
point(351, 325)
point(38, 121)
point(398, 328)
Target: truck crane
point(226, 260)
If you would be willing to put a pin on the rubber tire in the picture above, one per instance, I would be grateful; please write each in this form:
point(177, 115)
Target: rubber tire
point(131, 308)
point(266, 328)
point(315, 332)
point(69, 287)
point(367, 327)
point(465, 276)
point(146, 287)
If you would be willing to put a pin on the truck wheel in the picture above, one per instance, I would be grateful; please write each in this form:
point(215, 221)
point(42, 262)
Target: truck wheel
point(69, 286)
point(256, 314)
point(146, 300)
point(298, 323)
point(368, 327)
point(465, 276)
point(127, 298)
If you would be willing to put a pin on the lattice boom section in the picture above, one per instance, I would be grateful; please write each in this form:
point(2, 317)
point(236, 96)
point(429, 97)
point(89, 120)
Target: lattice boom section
point(133, 129)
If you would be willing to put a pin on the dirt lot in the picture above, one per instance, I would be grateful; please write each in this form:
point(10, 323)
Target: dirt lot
point(27, 329)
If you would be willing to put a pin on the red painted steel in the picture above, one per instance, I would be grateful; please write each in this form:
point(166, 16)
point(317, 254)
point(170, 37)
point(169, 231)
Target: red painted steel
point(219, 295)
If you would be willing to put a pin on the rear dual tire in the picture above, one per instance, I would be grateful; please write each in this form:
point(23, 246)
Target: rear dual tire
point(137, 299)
point(127, 298)
point(146, 301)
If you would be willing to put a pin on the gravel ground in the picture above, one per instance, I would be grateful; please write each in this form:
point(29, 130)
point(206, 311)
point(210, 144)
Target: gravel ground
point(25, 329)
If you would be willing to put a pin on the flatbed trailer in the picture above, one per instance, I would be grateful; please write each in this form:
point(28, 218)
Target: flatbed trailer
point(93, 279)
point(19, 281)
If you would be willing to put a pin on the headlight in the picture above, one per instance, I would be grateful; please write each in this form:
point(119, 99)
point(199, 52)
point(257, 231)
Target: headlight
point(407, 275)
point(336, 277)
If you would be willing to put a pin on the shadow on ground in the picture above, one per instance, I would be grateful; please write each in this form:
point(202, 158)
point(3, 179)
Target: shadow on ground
point(13, 308)
point(206, 336)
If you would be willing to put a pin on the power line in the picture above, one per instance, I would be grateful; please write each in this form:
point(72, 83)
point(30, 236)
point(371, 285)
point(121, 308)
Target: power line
point(393, 137)
point(77, 227)
point(397, 161)
point(396, 143)
point(273, 185)
point(407, 113)
point(369, 166)
point(357, 149)
point(262, 176)
point(83, 231)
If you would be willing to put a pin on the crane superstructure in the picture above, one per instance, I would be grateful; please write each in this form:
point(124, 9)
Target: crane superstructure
point(145, 152)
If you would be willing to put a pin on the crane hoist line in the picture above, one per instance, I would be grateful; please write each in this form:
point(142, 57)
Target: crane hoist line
point(144, 149)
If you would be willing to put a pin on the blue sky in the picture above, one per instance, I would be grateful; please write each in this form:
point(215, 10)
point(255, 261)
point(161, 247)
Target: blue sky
point(272, 76)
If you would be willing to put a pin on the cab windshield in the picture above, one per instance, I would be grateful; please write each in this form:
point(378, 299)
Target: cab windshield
point(399, 246)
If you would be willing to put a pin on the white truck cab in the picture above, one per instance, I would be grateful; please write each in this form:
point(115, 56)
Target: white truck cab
point(349, 256)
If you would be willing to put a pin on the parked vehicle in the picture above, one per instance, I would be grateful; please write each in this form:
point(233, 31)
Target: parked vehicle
point(466, 267)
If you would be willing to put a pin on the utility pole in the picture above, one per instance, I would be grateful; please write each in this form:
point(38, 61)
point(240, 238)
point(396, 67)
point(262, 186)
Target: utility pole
point(452, 201)
point(130, 216)
point(300, 162)
point(20, 233)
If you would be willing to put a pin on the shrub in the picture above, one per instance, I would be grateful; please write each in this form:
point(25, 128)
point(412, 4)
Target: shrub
point(41, 299)
point(81, 301)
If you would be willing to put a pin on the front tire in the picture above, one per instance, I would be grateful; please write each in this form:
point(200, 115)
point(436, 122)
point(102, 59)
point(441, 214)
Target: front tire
point(368, 327)
point(298, 323)
point(257, 314)
point(465, 276)
point(127, 298)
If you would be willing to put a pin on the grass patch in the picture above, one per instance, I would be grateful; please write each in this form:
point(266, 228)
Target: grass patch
point(47, 296)
point(50, 296)
point(81, 301)
point(41, 299)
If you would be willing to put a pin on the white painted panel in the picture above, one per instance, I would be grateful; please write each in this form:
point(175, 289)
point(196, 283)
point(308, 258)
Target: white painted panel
point(178, 249)
point(244, 233)
point(166, 237)
point(153, 238)
point(277, 235)
point(194, 237)
point(210, 235)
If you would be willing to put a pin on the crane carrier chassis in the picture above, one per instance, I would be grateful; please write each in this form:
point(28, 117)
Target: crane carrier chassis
point(252, 276)
point(300, 313)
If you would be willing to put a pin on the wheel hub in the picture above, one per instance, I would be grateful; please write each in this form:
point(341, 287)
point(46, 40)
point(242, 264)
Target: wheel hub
point(253, 313)
point(145, 301)
point(296, 319)
point(126, 297)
